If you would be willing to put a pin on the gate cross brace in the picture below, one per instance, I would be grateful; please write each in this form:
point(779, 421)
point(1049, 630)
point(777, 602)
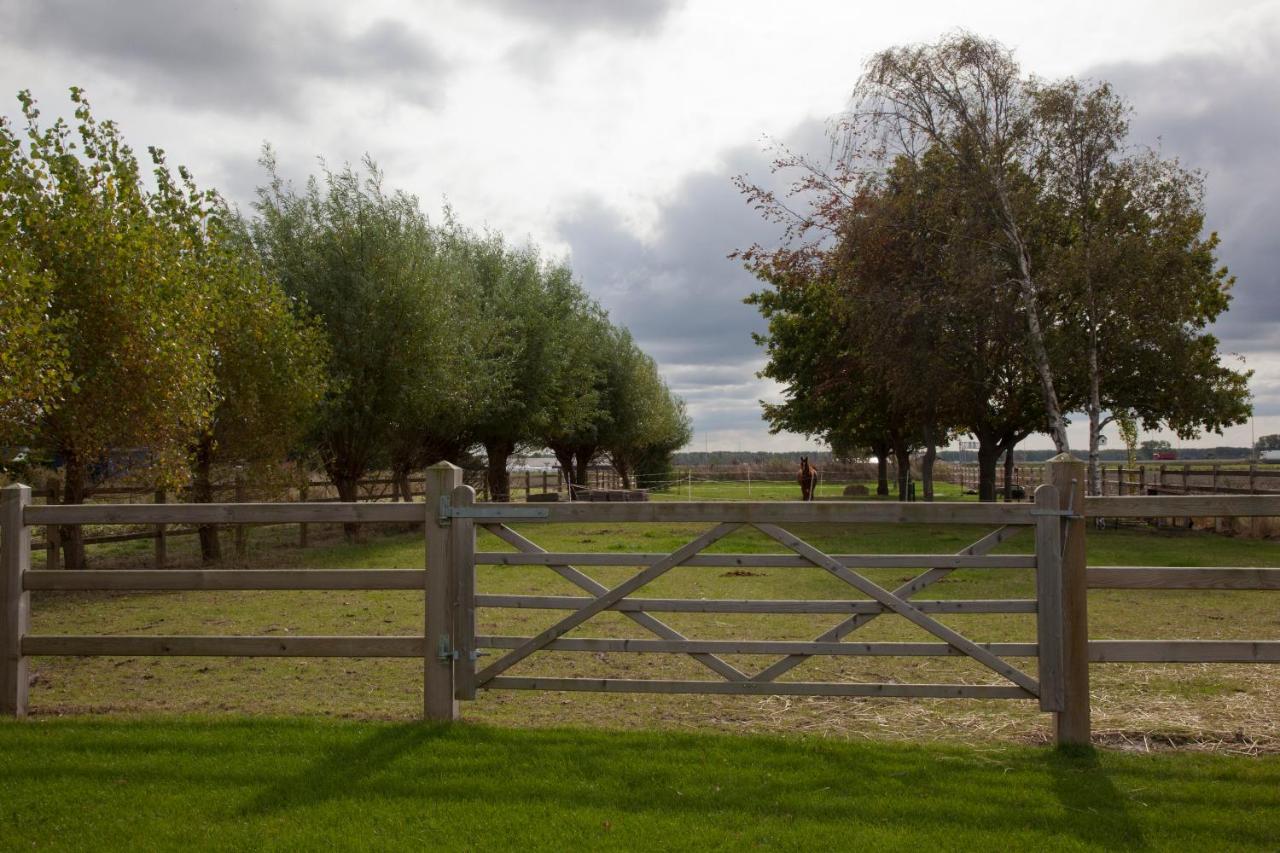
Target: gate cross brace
point(901, 607)
point(605, 601)
point(589, 584)
point(920, 582)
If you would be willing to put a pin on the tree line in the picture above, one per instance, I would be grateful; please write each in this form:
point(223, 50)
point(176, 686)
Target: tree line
point(984, 253)
point(333, 325)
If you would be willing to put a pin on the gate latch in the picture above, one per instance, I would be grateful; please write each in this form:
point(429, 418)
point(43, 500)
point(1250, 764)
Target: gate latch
point(443, 652)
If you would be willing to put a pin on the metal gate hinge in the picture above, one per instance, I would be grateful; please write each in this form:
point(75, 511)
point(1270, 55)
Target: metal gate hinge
point(448, 512)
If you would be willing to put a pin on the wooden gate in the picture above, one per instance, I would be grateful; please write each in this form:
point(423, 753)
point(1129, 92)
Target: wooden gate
point(461, 649)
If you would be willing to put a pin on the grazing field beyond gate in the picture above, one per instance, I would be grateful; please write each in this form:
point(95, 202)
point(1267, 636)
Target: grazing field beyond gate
point(450, 645)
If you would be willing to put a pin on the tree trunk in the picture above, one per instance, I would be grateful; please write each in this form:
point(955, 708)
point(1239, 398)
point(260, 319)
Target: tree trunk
point(624, 472)
point(882, 468)
point(202, 493)
point(498, 452)
point(926, 469)
point(348, 486)
point(1095, 418)
point(902, 455)
point(564, 456)
point(74, 491)
point(988, 456)
point(1035, 333)
point(1008, 473)
point(582, 470)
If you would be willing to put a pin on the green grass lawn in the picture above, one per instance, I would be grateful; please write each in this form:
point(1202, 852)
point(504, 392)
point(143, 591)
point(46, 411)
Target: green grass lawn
point(1235, 705)
point(264, 784)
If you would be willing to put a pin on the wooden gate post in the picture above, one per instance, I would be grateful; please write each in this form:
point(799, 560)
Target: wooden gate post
point(462, 562)
point(240, 530)
point(1071, 724)
point(438, 702)
point(1049, 613)
point(15, 602)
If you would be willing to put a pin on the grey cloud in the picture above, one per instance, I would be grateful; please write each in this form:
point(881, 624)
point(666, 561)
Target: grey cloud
point(630, 17)
point(679, 292)
point(1221, 115)
point(234, 57)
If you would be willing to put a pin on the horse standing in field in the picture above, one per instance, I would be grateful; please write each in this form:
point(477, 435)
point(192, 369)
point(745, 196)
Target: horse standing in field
point(807, 478)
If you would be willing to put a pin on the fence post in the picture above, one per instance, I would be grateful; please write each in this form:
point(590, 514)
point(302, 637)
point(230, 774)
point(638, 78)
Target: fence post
point(161, 545)
point(1071, 724)
point(240, 528)
point(15, 602)
point(438, 702)
point(1049, 614)
point(303, 488)
point(462, 546)
point(52, 532)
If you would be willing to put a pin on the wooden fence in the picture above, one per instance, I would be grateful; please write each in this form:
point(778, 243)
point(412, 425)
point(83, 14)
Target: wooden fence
point(523, 483)
point(450, 646)
point(1151, 478)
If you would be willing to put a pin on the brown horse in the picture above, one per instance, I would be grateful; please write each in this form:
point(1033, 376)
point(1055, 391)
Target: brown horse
point(807, 478)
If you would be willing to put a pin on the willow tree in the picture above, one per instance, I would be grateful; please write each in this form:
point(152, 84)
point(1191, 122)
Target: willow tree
point(534, 348)
point(362, 260)
point(137, 319)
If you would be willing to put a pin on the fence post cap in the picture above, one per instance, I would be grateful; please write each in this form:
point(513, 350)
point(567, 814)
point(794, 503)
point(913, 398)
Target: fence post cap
point(443, 466)
point(13, 487)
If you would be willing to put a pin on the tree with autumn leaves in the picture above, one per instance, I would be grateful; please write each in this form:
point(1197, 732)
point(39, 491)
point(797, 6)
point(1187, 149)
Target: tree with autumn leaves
point(1000, 258)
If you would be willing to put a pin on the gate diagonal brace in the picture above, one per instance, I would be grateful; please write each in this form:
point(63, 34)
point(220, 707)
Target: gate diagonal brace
point(919, 583)
point(605, 601)
point(575, 576)
point(902, 608)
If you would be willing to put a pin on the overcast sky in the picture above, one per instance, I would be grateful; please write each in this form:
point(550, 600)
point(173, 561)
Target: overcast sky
point(609, 131)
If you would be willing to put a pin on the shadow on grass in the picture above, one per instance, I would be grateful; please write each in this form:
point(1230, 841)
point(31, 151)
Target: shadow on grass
point(458, 782)
point(1085, 789)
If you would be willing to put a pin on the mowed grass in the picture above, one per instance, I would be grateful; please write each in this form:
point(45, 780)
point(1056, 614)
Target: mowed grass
point(264, 784)
point(1235, 705)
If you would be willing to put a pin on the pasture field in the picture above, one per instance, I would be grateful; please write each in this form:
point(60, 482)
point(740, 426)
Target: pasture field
point(307, 784)
point(1233, 707)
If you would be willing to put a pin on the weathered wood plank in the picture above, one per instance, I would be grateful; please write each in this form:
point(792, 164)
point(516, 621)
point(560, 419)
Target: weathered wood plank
point(1049, 624)
point(858, 561)
point(15, 601)
point(245, 513)
point(196, 579)
point(982, 547)
point(609, 598)
point(1184, 651)
point(761, 688)
point(198, 646)
point(438, 695)
point(755, 647)
point(901, 607)
point(756, 605)
point(1142, 506)
point(824, 512)
point(462, 548)
point(1072, 724)
point(1153, 577)
point(583, 581)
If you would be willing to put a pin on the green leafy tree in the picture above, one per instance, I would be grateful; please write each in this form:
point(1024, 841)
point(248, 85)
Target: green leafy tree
point(1269, 442)
point(535, 351)
point(137, 319)
point(365, 262)
point(1136, 280)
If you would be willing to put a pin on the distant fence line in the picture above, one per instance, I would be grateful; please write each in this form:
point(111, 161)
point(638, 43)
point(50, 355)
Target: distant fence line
point(1148, 478)
point(310, 490)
